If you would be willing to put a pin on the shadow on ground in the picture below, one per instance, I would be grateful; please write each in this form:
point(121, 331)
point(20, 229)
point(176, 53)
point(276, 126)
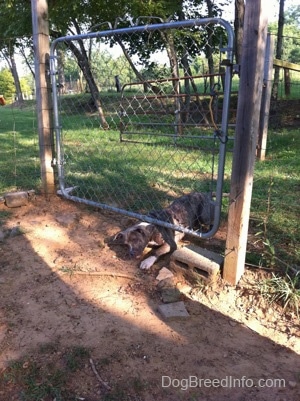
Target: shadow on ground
point(51, 307)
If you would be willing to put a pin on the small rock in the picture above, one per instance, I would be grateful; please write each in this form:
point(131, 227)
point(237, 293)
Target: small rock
point(173, 311)
point(164, 273)
point(170, 295)
point(166, 283)
point(15, 231)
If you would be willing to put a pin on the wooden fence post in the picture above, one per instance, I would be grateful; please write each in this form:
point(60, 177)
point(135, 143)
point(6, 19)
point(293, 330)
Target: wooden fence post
point(40, 28)
point(246, 133)
point(266, 99)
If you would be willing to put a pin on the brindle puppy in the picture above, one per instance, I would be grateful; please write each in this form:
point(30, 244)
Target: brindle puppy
point(190, 211)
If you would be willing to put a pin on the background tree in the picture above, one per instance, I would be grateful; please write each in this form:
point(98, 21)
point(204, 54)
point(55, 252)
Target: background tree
point(7, 87)
point(81, 16)
point(278, 48)
point(239, 12)
point(290, 37)
point(14, 17)
point(175, 44)
point(8, 53)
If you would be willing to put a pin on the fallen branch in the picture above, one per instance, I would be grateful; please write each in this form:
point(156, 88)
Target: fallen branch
point(122, 275)
point(104, 384)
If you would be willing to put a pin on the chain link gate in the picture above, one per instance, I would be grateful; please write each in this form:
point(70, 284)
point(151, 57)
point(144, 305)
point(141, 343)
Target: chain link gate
point(142, 122)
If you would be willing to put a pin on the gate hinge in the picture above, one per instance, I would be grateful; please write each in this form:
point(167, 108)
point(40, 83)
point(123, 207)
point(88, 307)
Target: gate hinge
point(219, 134)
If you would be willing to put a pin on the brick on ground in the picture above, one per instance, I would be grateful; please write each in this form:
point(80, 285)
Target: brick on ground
point(202, 261)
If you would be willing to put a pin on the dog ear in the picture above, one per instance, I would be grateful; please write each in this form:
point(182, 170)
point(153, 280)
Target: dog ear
point(141, 230)
point(119, 237)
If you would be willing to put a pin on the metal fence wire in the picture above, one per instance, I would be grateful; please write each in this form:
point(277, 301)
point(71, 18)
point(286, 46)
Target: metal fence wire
point(141, 115)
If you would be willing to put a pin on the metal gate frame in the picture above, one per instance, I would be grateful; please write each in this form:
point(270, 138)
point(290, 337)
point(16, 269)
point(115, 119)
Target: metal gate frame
point(222, 134)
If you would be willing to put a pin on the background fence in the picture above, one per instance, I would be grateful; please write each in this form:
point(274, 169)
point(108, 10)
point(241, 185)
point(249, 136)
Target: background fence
point(276, 183)
point(19, 148)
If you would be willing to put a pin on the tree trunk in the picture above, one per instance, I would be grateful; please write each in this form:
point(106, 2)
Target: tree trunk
point(209, 47)
point(10, 58)
point(287, 82)
point(239, 28)
point(278, 49)
point(28, 62)
point(187, 74)
point(60, 70)
point(84, 65)
point(189, 81)
point(168, 40)
point(139, 76)
point(16, 80)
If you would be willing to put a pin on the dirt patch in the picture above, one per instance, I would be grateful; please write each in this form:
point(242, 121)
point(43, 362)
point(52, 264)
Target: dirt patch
point(64, 288)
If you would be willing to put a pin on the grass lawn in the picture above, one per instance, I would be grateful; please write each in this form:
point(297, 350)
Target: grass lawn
point(145, 175)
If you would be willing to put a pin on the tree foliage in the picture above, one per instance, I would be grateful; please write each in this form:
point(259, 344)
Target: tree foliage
point(81, 16)
point(7, 87)
point(291, 34)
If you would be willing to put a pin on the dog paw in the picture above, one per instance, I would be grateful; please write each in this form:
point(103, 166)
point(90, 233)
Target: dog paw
point(147, 263)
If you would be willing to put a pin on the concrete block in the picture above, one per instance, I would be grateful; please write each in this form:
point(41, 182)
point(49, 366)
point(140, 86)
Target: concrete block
point(173, 311)
point(16, 199)
point(206, 263)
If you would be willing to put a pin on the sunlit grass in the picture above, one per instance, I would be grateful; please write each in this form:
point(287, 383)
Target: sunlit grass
point(148, 174)
point(19, 154)
point(275, 203)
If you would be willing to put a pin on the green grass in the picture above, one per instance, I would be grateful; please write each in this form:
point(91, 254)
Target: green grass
point(294, 86)
point(282, 290)
point(58, 374)
point(46, 376)
point(137, 173)
point(149, 174)
point(275, 206)
point(19, 154)
point(74, 357)
point(33, 381)
point(4, 216)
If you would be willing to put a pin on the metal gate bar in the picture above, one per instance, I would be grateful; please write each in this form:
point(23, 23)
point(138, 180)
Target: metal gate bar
point(221, 136)
point(125, 111)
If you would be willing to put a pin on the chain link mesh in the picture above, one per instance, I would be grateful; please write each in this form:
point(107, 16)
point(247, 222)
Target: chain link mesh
point(19, 150)
point(153, 128)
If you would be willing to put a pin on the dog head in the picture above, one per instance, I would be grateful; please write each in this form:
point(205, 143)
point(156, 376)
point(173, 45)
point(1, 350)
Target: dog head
point(136, 238)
